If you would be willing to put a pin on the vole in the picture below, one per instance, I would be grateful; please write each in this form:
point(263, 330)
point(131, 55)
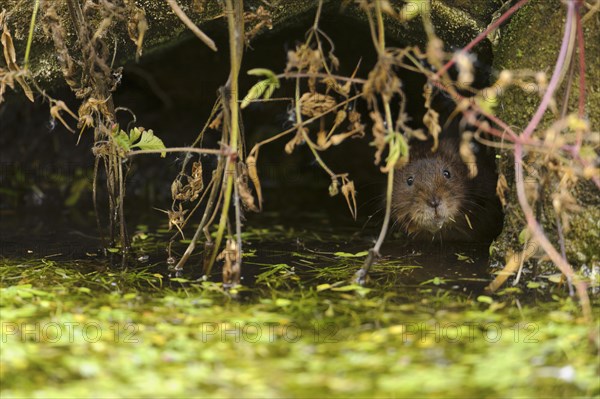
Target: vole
point(435, 198)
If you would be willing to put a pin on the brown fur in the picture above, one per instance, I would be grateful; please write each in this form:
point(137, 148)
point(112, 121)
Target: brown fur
point(442, 201)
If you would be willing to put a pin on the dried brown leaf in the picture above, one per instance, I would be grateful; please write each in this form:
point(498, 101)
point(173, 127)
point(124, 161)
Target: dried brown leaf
point(467, 155)
point(378, 135)
point(10, 56)
point(349, 193)
point(55, 113)
point(176, 189)
point(335, 62)
point(382, 80)
point(137, 25)
point(334, 187)
point(305, 59)
point(435, 52)
point(91, 107)
point(253, 175)
point(215, 124)
point(246, 195)
point(334, 85)
point(313, 104)
point(338, 138)
point(177, 218)
point(258, 20)
point(298, 139)
point(340, 116)
point(231, 262)
point(322, 141)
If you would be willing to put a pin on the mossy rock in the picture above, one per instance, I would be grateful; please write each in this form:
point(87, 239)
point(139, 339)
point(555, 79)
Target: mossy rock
point(164, 29)
point(453, 24)
point(482, 10)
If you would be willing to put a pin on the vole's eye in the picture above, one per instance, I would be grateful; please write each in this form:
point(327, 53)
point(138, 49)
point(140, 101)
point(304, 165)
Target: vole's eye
point(410, 181)
point(446, 173)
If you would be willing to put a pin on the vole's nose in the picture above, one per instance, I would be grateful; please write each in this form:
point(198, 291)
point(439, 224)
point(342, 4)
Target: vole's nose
point(434, 202)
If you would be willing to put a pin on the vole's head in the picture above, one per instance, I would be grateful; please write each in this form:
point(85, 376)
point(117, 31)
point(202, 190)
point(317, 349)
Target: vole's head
point(429, 192)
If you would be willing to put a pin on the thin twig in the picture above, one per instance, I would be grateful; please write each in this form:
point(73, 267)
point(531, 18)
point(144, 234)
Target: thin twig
point(238, 234)
point(36, 6)
point(95, 202)
point(191, 25)
point(294, 75)
point(563, 250)
point(207, 211)
point(122, 226)
point(361, 274)
point(209, 151)
point(235, 24)
point(380, 29)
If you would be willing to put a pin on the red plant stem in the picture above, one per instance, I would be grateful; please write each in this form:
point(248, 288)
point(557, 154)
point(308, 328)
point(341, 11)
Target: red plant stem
point(532, 223)
point(482, 35)
point(541, 238)
point(581, 48)
point(560, 62)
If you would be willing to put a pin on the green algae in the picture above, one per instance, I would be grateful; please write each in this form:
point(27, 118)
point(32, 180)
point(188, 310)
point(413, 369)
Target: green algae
point(83, 329)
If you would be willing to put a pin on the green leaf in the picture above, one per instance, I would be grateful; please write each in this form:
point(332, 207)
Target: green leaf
point(264, 88)
point(487, 103)
point(524, 236)
point(269, 92)
point(180, 280)
point(556, 278)
point(25, 294)
point(323, 287)
point(26, 291)
point(254, 93)
point(267, 73)
point(485, 299)
point(359, 289)
point(122, 140)
point(149, 141)
point(349, 255)
point(434, 281)
point(77, 188)
point(346, 288)
point(282, 302)
point(134, 135)
point(464, 258)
